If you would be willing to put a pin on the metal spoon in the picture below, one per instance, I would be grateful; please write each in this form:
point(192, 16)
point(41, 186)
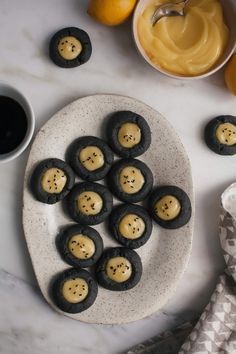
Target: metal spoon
point(169, 9)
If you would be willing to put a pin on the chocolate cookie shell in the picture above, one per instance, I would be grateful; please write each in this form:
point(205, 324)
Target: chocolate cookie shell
point(39, 173)
point(72, 274)
point(81, 58)
point(114, 125)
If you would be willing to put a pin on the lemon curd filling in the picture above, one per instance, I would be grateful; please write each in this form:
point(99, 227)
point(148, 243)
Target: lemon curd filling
point(168, 207)
point(53, 180)
point(226, 134)
point(75, 290)
point(131, 226)
point(89, 203)
point(69, 47)
point(81, 246)
point(189, 45)
point(119, 269)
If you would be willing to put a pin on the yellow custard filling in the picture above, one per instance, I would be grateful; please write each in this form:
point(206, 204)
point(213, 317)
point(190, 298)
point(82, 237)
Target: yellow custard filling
point(119, 269)
point(168, 208)
point(189, 45)
point(91, 158)
point(69, 47)
point(75, 290)
point(81, 246)
point(53, 180)
point(226, 134)
point(131, 180)
point(129, 135)
point(89, 203)
point(131, 226)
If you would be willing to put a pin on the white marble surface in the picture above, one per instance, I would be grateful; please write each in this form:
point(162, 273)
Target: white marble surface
point(115, 67)
point(29, 326)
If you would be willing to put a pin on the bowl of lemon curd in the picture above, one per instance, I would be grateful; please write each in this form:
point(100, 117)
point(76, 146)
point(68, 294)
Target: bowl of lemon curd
point(190, 47)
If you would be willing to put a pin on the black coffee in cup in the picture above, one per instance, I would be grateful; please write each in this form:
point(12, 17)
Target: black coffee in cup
point(13, 124)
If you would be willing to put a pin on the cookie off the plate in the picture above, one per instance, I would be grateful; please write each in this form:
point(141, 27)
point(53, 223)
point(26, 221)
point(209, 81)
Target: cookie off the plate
point(70, 47)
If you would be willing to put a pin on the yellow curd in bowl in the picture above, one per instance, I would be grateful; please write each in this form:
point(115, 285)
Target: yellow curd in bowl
point(186, 46)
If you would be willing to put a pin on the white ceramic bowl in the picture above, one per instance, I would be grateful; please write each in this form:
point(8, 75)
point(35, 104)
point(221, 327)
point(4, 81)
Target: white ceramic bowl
point(229, 7)
point(12, 92)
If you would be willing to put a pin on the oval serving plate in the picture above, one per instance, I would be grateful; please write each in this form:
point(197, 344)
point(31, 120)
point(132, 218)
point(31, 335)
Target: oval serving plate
point(164, 256)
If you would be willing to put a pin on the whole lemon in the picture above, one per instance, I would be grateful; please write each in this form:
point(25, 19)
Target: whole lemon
point(230, 75)
point(111, 12)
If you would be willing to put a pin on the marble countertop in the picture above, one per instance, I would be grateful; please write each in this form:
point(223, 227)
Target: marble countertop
point(27, 323)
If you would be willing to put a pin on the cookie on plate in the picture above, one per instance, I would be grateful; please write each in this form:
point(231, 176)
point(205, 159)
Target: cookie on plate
point(220, 135)
point(119, 269)
point(52, 180)
point(170, 207)
point(128, 134)
point(80, 246)
point(74, 290)
point(89, 203)
point(90, 157)
point(130, 225)
point(130, 180)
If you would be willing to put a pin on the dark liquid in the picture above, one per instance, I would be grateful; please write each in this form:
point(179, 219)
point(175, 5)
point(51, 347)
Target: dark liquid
point(13, 124)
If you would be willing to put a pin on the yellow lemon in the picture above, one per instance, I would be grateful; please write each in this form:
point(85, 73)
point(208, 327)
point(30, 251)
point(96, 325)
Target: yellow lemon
point(111, 12)
point(230, 75)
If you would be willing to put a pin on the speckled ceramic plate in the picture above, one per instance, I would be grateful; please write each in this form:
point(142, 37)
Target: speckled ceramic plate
point(165, 255)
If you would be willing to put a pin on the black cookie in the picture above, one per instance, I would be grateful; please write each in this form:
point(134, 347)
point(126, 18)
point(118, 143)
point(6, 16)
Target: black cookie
point(74, 289)
point(95, 203)
point(101, 154)
point(75, 251)
point(223, 147)
point(123, 185)
point(134, 267)
point(77, 47)
point(185, 209)
point(140, 140)
point(140, 220)
point(50, 195)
